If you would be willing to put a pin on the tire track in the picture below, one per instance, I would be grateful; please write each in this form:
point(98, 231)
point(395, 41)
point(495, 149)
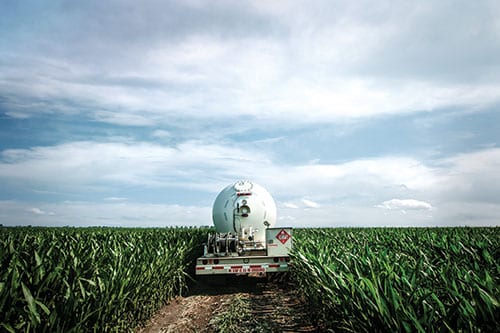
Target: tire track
point(273, 306)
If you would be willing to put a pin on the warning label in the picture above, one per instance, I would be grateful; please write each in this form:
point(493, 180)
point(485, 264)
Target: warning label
point(283, 236)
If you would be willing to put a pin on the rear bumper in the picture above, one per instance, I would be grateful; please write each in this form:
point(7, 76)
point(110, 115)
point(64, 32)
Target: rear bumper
point(241, 265)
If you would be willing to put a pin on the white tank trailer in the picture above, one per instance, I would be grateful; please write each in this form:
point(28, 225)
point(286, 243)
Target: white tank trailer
point(245, 239)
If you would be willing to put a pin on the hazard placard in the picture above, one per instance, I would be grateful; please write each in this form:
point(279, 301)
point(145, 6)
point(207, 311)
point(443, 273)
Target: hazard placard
point(279, 241)
point(283, 236)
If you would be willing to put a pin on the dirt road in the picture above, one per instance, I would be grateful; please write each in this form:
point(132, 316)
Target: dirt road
point(242, 304)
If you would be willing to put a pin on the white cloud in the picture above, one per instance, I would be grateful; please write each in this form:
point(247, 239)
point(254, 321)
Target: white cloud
point(138, 163)
point(87, 168)
point(103, 214)
point(83, 166)
point(405, 204)
point(253, 87)
point(471, 176)
point(354, 215)
point(18, 114)
point(460, 190)
point(256, 64)
point(311, 62)
point(115, 199)
point(126, 118)
point(286, 218)
point(467, 213)
point(290, 205)
point(362, 179)
point(309, 203)
point(38, 211)
point(161, 134)
point(302, 203)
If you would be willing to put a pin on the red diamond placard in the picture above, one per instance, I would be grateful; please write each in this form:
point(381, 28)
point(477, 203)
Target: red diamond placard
point(283, 236)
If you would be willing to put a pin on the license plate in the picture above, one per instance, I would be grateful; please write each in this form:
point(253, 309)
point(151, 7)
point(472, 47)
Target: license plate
point(247, 270)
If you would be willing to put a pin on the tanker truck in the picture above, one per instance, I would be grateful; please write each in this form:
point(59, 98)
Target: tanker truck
point(246, 240)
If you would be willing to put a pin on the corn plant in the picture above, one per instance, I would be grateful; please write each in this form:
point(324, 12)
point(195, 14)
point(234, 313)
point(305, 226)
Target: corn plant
point(90, 280)
point(411, 280)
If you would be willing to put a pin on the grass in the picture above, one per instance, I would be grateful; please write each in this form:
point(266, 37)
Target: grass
point(234, 317)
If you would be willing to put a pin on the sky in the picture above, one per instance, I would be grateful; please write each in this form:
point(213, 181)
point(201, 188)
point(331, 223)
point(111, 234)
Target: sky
point(350, 113)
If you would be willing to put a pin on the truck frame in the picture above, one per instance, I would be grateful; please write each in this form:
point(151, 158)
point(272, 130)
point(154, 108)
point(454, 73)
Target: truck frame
point(227, 253)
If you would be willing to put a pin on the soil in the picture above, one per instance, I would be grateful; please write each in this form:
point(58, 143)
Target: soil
point(275, 306)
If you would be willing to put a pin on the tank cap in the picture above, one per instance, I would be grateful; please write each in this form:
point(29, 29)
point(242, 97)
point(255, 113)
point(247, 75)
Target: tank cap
point(243, 186)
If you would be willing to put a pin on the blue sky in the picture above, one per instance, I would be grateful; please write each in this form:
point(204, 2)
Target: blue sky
point(126, 113)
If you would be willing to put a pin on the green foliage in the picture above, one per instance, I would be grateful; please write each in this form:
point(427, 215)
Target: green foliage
point(236, 314)
point(391, 280)
point(91, 279)
point(358, 280)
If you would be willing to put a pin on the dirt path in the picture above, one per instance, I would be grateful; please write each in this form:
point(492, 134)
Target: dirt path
point(264, 307)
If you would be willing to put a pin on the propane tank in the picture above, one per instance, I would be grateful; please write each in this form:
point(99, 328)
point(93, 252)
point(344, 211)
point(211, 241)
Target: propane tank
point(246, 209)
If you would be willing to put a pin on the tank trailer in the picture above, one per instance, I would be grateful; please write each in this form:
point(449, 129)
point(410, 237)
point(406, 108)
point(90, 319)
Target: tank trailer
point(246, 240)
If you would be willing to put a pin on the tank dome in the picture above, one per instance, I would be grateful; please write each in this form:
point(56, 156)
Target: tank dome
point(244, 207)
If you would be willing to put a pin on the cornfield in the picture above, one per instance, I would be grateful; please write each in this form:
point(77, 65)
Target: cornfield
point(90, 279)
point(397, 280)
point(356, 280)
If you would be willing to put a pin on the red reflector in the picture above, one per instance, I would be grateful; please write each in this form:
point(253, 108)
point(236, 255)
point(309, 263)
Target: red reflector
point(218, 267)
point(200, 268)
point(274, 266)
point(243, 193)
point(255, 266)
point(237, 266)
